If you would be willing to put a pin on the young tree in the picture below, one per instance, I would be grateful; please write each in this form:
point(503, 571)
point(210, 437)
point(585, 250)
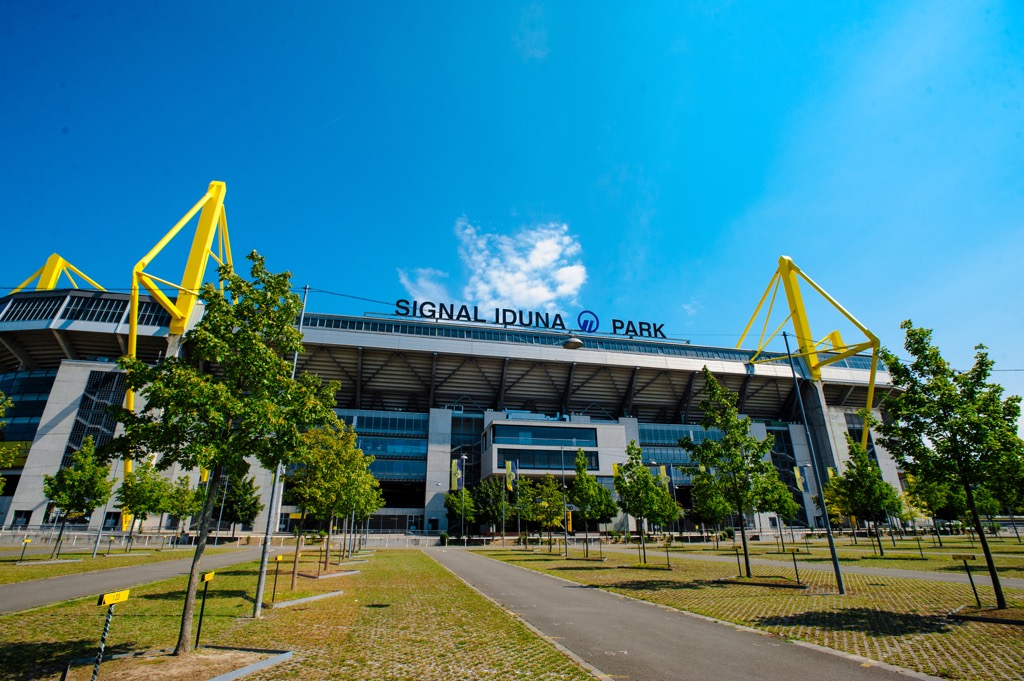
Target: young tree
point(249, 407)
point(143, 492)
point(738, 462)
point(640, 495)
point(80, 488)
point(241, 501)
point(461, 509)
point(1007, 485)
point(182, 501)
point(949, 424)
point(775, 497)
point(524, 507)
point(593, 501)
point(861, 492)
point(490, 499)
point(549, 505)
point(709, 503)
point(6, 453)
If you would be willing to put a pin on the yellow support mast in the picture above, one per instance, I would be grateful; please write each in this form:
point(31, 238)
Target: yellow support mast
point(788, 276)
point(212, 225)
point(48, 276)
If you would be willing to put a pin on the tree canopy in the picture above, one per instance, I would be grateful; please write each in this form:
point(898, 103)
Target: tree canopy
point(142, 493)
point(861, 492)
point(249, 406)
point(183, 501)
point(949, 424)
point(6, 453)
point(241, 500)
point(736, 467)
point(82, 487)
point(593, 500)
point(640, 494)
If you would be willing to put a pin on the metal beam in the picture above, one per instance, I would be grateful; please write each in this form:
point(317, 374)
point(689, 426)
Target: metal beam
point(19, 352)
point(567, 390)
point(65, 344)
point(627, 398)
point(684, 402)
point(433, 382)
point(499, 398)
point(742, 401)
point(846, 396)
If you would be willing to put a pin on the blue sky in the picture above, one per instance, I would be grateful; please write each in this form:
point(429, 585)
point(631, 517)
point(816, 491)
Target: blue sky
point(647, 162)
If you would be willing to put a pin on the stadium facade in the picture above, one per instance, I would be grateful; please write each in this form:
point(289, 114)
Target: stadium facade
point(434, 382)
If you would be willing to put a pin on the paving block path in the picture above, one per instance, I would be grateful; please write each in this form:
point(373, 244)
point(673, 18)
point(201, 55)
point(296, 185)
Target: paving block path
point(625, 638)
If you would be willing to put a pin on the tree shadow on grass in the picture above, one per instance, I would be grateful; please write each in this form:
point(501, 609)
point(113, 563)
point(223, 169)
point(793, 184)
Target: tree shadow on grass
point(864, 620)
point(661, 585)
point(180, 595)
point(582, 568)
point(22, 661)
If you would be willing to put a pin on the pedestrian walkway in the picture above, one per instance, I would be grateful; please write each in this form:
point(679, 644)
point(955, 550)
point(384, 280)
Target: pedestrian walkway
point(39, 592)
point(623, 638)
point(979, 571)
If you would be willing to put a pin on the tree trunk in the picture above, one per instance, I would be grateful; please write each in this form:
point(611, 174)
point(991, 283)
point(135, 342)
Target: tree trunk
point(993, 573)
point(643, 540)
point(586, 541)
point(298, 550)
point(56, 544)
point(1013, 521)
point(782, 529)
point(878, 537)
point(131, 536)
point(746, 553)
point(935, 526)
point(184, 645)
point(327, 553)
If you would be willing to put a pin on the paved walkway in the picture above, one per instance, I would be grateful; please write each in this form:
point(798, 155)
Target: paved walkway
point(624, 638)
point(978, 570)
point(39, 592)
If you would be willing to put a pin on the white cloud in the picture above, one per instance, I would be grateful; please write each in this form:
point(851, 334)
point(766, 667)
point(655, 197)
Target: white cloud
point(424, 284)
point(537, 268)
point(692, 308)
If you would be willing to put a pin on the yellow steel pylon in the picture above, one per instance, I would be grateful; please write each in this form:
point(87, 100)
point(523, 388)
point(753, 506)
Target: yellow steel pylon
point(48, 276)
point(788, 275)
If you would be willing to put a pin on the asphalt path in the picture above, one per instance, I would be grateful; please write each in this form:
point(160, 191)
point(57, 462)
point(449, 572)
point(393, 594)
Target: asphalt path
point(39, 592)
point(623, 638)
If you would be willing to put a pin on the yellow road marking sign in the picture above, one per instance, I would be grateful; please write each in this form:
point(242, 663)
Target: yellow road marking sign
point(208, 577)
point(113, 597)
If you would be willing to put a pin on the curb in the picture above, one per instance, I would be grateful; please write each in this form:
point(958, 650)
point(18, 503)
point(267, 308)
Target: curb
point(307, 599)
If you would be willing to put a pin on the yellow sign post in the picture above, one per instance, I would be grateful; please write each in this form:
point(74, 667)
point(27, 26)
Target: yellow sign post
point(207, 578)
point(277, 572)
point(110, 600)
point(24, 545)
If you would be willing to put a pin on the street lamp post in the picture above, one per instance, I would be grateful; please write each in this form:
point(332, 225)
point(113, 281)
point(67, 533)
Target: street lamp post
point(814, 469)
point(462, 480)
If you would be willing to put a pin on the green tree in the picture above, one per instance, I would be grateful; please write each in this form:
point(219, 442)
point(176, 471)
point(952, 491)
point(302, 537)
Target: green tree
point(80, 488)
point(860, 491)
point(249, 406)
point(241, 501)
point(490, 499)
point(738, 463)
point(949, 424)
point(333, 479)
point(6, 453)
point(461, 509)
point(640, 495)
point(1007, 485)
point(774, 497)
point(143, 493)
point(549, 506)
point(709, 503)
point(183, 501)
point(593, 501)
point(931, 495)
point(523, 505)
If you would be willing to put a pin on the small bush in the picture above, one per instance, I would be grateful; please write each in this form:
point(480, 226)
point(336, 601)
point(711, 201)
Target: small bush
point(443, 537)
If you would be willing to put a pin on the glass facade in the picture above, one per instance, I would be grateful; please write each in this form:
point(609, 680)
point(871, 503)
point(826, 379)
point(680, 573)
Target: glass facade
point(396, 440)
point(855, 429)
point(29, 391)
point(545, 459)
point(555, 436)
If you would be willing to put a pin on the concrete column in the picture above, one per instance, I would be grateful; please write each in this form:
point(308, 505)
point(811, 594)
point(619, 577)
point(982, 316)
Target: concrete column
point(439, 456)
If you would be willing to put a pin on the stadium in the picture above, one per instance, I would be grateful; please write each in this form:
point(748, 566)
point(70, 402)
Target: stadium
point(440, 381)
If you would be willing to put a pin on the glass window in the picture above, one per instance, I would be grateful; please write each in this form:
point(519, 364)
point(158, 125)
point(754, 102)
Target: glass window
point(545, 459)
point(528, 434)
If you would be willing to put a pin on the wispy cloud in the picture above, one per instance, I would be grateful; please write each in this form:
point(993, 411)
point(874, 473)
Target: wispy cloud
point(531, 38)
point(537, 268)
point(424, 284)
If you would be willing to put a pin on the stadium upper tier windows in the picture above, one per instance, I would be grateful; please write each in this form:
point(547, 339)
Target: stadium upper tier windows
point(527, 434)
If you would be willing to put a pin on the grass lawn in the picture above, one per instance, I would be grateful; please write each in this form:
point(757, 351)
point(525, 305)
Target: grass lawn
point(402, 617)
point(899, 621)
point(11, 573)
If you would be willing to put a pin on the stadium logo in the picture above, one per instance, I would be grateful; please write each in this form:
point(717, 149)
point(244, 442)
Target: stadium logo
point(588, 321)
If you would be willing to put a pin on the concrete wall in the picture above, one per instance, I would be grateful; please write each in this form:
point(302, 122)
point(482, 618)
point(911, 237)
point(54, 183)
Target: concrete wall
point(439, 467)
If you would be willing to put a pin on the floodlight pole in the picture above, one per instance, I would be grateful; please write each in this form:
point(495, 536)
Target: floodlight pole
point(275, 496)
point(814, 469)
